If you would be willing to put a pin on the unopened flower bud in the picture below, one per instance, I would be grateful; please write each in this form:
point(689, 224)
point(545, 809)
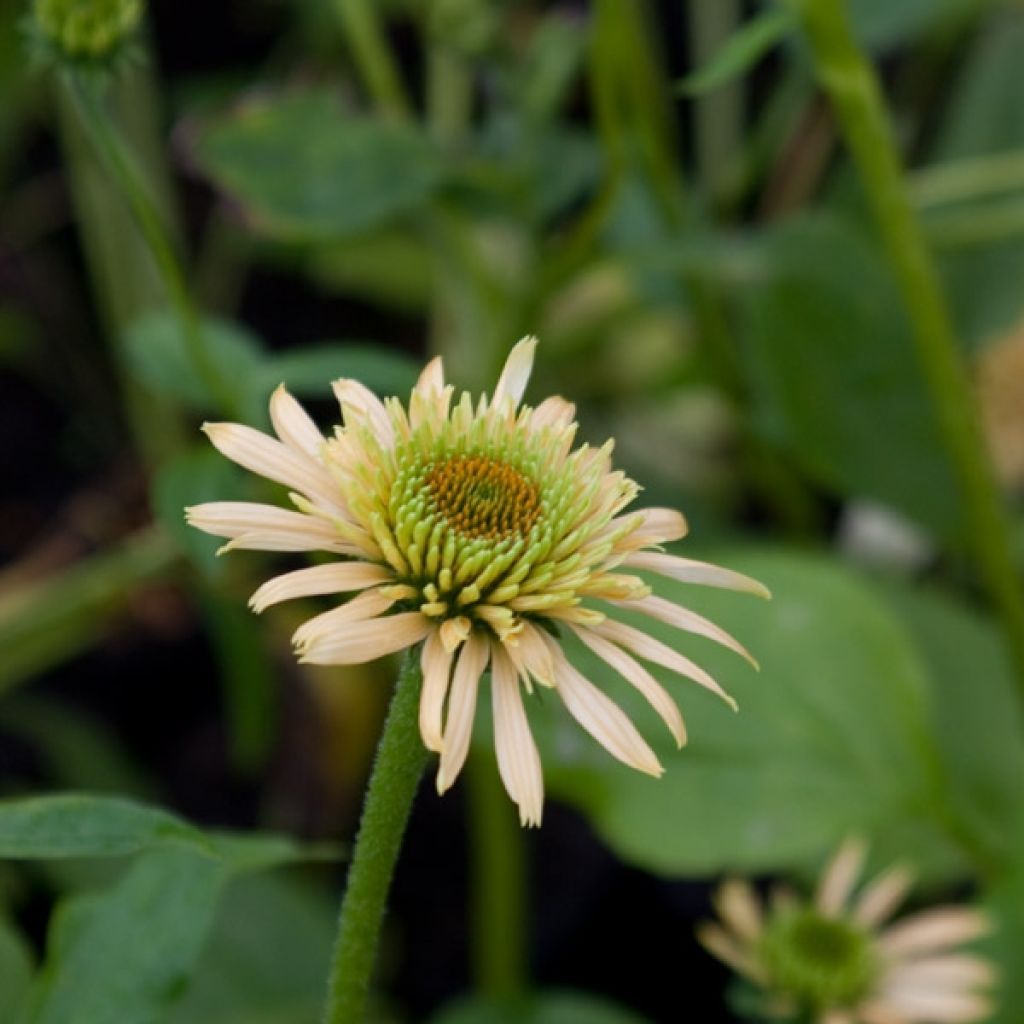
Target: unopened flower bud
point(90, 30)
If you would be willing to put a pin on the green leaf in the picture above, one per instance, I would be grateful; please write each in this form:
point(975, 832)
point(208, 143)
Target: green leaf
point(977, 718)
point(266, 959)
point(1005, 901)
point(832, 736)
point(158, 355)
point(125, 954)
point(308, 371)
point(882, 24)
point(16, 964)
point(834, 374)
point(303, 168)
point(554, 1007)
point(740, 52)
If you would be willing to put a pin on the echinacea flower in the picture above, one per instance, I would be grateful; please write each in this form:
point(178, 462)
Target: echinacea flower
point(475, 529)
point(836, 959)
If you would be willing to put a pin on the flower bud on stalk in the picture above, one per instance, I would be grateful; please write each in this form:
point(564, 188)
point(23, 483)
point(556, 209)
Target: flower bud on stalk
point(84, 33)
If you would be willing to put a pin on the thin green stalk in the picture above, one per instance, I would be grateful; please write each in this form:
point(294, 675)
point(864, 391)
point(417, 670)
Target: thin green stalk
point(498, 885)
point(104, 135)
point(401, 758)
point(369, 46)
point(853, 88)
point(449, 94)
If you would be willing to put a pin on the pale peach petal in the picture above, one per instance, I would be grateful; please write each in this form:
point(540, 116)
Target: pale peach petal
point(875, 1013)
point(461, 708)
point(431, 378)
point(880, 897)
point(287, 540)
point(530, 655)
point(516, 373)
point(634, 673)
point(360, 405)
point(933, 931)
point(367, 605)
point(956, 970)
point(659, 526)
point(931, 1007)
point(737, 955)
point(840, 876)
point(738, 907)
point(686, 570)
point(518, 760)
point(837, 1017)
point(682, 618)
point(293, 425)
point(334, 578)
point(274, 460)
point(454, 631)
point(368, 640)
point(554, 413)
point(601, 716)
point(647, 647)
point(266, 527)
point(436, 664)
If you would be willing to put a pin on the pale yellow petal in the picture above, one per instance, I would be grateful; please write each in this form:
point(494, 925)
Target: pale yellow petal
point(686, 570)
point(368, 640)
point(518, 759)
point(530, 654)
point(635, 674)
point(431, 378)
point(293, 425)
point(931, 1007)
point(951, 970)
point(659, 526)
point(320, 628)
point(554, 413)
point(840, 876)
point(436, 664)
point(454, 631)
point(458, 728)
point(880, 898)
point(516, 373)
point(735, 954)
point(738, 907)
point(333, 578)
point(934, 930)
point(647, 647)
point(266, 527)
point(359, 405)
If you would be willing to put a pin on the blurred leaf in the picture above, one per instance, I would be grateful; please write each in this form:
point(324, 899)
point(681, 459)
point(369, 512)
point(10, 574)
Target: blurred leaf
point(45, 622)
point(1005, 901)
point(976, 711)
point(15, 969)
point(125, 954)
point(740, 52)
point(834, 373)
point(883, 23)
point(158, 355)
point(304, 168)
point(832, 737)
point(552, 1007)
point(983, 119)
point(308, 371)
point(267, 957)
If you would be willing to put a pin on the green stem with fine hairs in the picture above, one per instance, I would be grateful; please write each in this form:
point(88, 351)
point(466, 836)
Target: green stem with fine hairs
point(85, 97)
point(401, 758)
point(853, 88)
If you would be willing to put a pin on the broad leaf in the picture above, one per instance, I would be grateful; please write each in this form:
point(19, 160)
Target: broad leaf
point(15, 969)
point(304, 168)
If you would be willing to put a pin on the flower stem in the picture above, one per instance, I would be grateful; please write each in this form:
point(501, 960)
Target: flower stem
point(497, 879)
point(119, 161)
point(401, 758)
point(852, 85)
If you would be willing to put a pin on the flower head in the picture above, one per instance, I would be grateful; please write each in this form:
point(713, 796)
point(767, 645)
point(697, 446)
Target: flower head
point(475, 529)
point(832, 957)
point(84, 32)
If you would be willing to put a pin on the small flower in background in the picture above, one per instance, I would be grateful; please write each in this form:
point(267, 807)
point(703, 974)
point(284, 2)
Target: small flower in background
point(474, 528)
point(833, 959)
point(84, 32)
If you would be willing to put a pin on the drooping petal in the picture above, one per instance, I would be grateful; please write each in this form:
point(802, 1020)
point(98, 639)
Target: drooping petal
point(682, 618)
point(601, 716)
point(931, 931)
point(634, 673)
point(650, 649)
point(367, 605)
point(334, 578)
point(880, 897)
point(530, 655)
point(839, 878)
point(360, 405)
point(454, 632)
point(738, 906)
point(273, 459)
point(516, 373)
point(461, 708)
point(436, 665)
point(686, 570)
point(737, 955)
point(368, 640)
point(518, 760)
point(293, 425)
point(266, 527)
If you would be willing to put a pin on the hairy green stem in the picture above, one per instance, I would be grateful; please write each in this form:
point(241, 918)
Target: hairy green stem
point(369, 46)
point(853, 88)
point(401, 758)
point(497, 885)
point(104, 135)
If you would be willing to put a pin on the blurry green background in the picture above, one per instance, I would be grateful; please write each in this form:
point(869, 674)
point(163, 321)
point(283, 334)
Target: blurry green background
point(661, 192)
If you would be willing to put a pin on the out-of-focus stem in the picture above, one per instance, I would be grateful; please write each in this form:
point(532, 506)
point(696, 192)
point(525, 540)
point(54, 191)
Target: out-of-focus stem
point(853, 88)
point(369, 46)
